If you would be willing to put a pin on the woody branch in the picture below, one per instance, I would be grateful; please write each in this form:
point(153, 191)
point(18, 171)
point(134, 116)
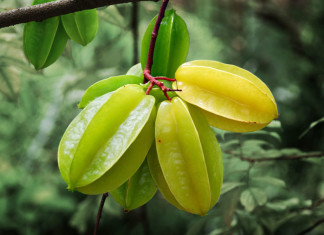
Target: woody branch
point(47, 10)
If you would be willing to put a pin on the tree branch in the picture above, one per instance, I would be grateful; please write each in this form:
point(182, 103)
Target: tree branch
point(317, 223)
point(288, 157)
point(47, 10)
point(314, 205)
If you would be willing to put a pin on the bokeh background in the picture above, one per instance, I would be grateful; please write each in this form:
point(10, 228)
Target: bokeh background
point(281, 41)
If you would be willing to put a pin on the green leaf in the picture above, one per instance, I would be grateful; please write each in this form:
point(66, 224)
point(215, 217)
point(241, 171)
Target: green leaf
point(276, 206)
point(248, 223)
point(266, 181)
point(264, 135)
point(253, 197)
point(272, 153)
point(247, 200)
point(112, 208)
point(229, 186)
point(275, 135)
point(290, 151)
point(283, 204)
point(274, 125)
point(220, 134)
point(259, 195)
point(197, 227)
point(312, 125)
point(136, 70)
point(254, 147)
point(217, 232)
point(85, 210)
point(231, 144)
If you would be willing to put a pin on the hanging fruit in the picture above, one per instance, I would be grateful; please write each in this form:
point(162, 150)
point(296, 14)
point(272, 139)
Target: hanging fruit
point(137, 190)
point(231, 98)
point(44, 41)
point(188, 156)
point(108, 141)
point(81, 26)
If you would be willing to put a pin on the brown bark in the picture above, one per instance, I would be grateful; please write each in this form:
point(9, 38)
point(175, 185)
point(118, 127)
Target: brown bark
point(47, 10)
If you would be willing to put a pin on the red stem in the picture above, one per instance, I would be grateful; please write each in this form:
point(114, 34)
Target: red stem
point(147, 71)
point(155, 31)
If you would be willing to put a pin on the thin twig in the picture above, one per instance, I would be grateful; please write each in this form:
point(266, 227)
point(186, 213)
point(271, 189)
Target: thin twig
point(314, 205)
point(102, 203)
point(50, 9)
point(317, 223)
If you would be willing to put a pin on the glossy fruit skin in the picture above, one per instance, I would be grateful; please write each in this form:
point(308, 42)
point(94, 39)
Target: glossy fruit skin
point(81, 26)
point(159, 178)
point(105, 86)
point(136, 191)
point(44, 41)
point(232, 98)
point(171, 46)
point(127, 165)
point(108, 141)
point(188, 156)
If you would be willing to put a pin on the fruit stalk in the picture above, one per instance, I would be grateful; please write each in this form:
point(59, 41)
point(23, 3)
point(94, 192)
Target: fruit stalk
point(149, 62)
point(147, 71)
point(102, 203)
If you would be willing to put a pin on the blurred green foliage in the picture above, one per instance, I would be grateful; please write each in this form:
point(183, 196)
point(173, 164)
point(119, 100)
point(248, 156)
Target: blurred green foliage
point(279, 41)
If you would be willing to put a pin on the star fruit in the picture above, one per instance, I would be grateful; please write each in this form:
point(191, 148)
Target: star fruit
point(187, 164)
point(108, 141)
point(231, 98)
